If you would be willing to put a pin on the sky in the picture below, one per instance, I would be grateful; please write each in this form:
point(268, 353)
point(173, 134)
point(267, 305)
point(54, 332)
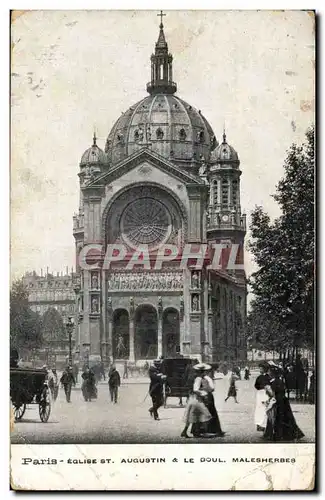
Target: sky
point(76, 71)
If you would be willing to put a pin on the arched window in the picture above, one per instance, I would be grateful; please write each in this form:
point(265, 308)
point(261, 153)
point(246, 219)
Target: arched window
point(201, 136)
point(182, 134)
point(159, 134)
point(224, 192)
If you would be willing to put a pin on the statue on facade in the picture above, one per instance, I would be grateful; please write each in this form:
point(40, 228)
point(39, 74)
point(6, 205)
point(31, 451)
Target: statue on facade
point(94, 305)
point(120, 347)
point(195, 303)
point(141, 134)
point(203, 168)
point(195, 280)
point(131, 305)
point(107, 145)
point(94, 281)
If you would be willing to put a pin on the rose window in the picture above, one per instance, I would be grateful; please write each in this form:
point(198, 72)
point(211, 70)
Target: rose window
point(145, 221)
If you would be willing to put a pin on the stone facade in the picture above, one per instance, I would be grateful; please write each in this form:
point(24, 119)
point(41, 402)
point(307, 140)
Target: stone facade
point(51, 291)
point(163, 179)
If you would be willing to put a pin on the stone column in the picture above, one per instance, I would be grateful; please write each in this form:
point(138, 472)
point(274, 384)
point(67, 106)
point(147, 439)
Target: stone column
point(110, 338)
point(159, 336)
point(131, 331)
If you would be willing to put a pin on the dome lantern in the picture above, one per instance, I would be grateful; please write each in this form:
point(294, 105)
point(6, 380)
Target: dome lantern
point(161, 66)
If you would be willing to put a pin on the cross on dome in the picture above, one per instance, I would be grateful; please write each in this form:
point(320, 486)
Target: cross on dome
point(161, 15)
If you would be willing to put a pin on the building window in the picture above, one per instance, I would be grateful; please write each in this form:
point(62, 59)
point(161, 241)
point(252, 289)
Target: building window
point(224, 189)
point(200, 136)
point(182, 134)
point(215, 193)
point(234, 192)
point(159, 134)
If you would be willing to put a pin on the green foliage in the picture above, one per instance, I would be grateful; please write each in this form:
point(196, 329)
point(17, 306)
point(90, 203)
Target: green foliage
point(282, 311)
point(25, 324)
point(53, 327)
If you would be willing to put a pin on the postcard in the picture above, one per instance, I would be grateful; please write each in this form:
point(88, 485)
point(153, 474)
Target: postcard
point(162, 250)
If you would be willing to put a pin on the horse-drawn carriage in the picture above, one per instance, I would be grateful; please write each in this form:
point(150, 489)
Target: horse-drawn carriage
point(29, 386)
point(178, 381)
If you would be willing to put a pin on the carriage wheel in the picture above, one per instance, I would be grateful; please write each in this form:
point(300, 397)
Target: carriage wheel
point(19, 411)
point(44, 406)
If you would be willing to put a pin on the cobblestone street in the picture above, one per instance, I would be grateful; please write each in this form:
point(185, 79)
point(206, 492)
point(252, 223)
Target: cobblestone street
point(129, 421)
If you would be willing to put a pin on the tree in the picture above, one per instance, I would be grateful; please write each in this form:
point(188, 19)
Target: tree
point(25, 324)
point(283, 285)
point(53, 326)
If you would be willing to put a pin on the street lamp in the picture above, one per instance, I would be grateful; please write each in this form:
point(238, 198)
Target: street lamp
point(70, 326)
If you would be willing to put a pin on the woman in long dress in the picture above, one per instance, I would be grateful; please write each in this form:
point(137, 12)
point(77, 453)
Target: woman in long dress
point(261, 397)
point(281, 424)
point(201, 411)
point(232, 391)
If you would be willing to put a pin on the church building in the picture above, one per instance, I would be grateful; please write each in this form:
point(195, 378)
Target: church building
point(162, 180)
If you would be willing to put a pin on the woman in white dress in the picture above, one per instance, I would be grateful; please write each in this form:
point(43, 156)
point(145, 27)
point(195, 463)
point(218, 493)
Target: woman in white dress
point(201, 411)
point(261, 397)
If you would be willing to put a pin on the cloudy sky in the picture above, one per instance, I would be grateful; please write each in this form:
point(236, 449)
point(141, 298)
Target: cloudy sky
point(73, 71)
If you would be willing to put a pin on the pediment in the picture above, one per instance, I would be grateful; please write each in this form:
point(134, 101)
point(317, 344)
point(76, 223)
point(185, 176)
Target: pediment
point(146, 159)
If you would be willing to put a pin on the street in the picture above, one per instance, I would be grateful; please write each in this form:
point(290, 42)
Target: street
point(128, 421)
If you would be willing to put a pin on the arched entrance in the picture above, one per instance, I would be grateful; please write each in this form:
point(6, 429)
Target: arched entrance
point(121, 336)
point(170, 332)
point(146, 332)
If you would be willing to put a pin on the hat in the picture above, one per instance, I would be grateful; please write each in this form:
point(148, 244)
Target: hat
point(202, 367)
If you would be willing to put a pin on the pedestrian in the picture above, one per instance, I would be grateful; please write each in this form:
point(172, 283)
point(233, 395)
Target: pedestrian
point(125, 372)
point(88, 387)
point(114, 382)
point(156, 388)
point(145, 368)
point(247, 373)
point(51, 382)
point(196, 413)
point(56, 384)
point(311, 388)
point(261, 397)
point(232, 391)
point(204, 387)
point(281, 424)
point(67, 380)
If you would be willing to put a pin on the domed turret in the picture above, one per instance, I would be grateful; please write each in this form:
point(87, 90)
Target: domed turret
point(225, 153)
point(93, 155)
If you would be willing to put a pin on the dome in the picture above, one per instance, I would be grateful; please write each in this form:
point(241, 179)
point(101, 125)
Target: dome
point(93, 155)
point(167, 125)
point(224, 153)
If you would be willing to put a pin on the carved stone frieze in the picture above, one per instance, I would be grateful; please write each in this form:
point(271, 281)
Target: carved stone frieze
point(145, 281)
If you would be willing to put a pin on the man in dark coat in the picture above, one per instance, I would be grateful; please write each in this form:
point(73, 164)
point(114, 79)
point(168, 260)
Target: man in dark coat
point(67, 380)
point(88, 387)
point(114, 382)
point(157, 380)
